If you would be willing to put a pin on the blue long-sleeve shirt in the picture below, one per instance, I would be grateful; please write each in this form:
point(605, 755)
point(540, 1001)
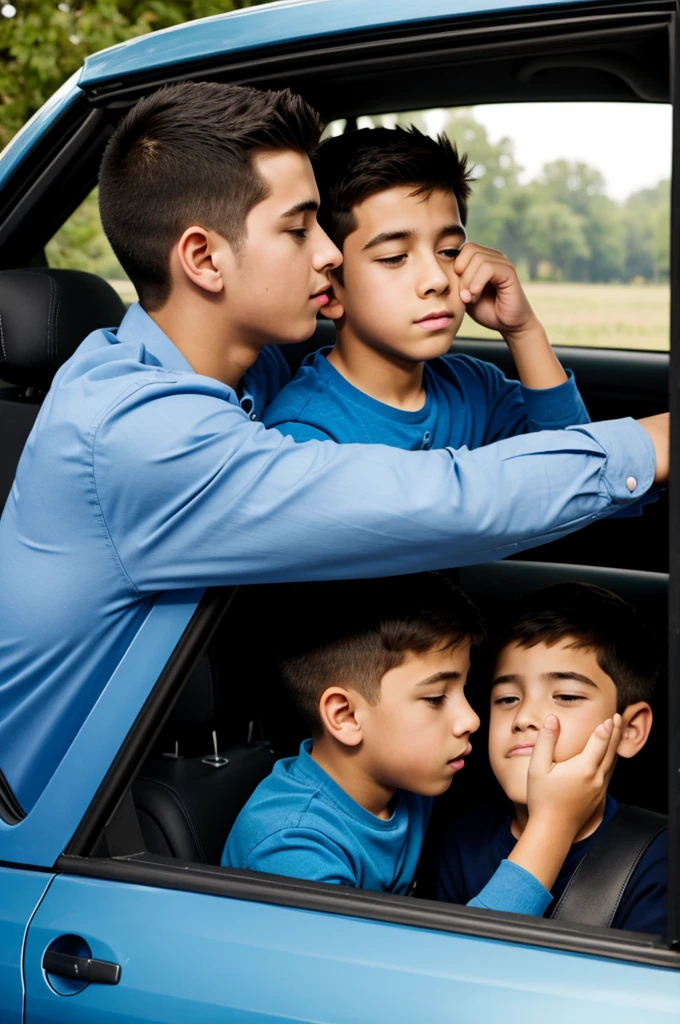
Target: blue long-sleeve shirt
point(468, 403)
point(299, 822)
point(142, 476)
point(478, 841)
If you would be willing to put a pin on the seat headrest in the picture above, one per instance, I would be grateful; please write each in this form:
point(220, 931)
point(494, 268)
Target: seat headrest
point(44, 316)
point(197, 704)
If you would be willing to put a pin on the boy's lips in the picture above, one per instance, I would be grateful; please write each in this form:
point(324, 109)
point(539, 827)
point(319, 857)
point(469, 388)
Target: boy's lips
point(436, 321)
point(322, 297)
point(457, 763)
point(520, 750)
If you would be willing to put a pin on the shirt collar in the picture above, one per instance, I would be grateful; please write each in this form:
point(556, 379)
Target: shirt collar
point(138, 327)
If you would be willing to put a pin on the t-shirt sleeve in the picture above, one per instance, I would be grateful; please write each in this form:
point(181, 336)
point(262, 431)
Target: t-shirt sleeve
point(514, 890)
point(302, 853)
point(303, 431)
point(512, 408)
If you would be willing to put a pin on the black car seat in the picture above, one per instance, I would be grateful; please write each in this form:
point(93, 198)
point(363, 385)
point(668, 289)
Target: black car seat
point(189, 792)
point(44, 315)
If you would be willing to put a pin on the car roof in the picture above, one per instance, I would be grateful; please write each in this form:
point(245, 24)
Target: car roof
point(283, 23)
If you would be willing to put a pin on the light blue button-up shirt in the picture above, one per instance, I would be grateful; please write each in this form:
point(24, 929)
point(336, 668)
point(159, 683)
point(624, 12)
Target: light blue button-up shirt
point(142, 476)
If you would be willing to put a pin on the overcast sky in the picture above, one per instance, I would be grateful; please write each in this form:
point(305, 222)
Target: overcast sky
point(629, 142)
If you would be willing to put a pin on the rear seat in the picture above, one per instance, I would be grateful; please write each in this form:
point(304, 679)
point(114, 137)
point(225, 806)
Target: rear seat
point(44, 315)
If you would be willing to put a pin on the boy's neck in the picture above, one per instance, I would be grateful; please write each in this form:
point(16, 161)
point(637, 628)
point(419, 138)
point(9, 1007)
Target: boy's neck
point(386, 377)
point(206, 340)
point(519, 822)
point(344, 767)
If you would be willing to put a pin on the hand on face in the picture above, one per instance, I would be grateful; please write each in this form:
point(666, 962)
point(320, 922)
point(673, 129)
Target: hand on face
point(569, 792)
point(489, 286)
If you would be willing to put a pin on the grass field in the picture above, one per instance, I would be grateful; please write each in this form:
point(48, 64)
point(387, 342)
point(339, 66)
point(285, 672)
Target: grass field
point(598, 315)
point(595, 315)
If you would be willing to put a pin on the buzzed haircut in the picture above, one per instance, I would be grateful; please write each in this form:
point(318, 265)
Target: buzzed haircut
point(183, 156)
point(593, 618)
point(352, 167)
point(350, 633)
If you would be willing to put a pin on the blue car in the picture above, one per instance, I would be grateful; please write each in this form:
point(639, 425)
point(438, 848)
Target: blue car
point(113, 906)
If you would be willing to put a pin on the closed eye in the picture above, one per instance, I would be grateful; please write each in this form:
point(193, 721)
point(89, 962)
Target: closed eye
point(299, 233)
point(392, 261)
point(506, 702)
point(450, 254)
point(569, 698)
point(435, 702)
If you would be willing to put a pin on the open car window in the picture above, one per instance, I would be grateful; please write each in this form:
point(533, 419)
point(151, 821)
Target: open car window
point(584, 214)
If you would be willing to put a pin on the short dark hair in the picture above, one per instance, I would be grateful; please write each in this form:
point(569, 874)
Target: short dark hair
point(352, 632)
point(593, 618)
point(352, 167)
point(183, 155)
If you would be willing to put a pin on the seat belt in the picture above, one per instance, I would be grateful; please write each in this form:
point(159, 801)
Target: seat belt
point(594, 891)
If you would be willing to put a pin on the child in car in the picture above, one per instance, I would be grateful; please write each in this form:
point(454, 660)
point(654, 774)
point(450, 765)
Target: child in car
point(395, 202)
point(378, 669)
point(578, 652)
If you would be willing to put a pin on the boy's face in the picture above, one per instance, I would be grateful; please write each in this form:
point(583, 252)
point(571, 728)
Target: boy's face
point(530, 683)
point(415, 737)
point(277, 279)
point(400, 293)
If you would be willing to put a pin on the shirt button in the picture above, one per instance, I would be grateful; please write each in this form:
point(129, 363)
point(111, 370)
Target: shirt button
point(631, 483)
point(253, 415)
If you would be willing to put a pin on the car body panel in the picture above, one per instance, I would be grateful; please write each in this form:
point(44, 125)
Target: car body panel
point(44, 834)
point(257, 28)
point(209, 959)
point(20, 894)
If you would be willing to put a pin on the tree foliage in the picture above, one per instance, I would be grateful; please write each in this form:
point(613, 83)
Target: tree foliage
point(46, 41)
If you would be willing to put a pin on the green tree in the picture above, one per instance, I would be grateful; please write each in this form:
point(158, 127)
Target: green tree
point(46, 41)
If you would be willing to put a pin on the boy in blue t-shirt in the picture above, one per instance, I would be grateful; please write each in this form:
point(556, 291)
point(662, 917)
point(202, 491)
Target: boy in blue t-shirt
point(580, 653)
point(378, 668)
point(395, 202)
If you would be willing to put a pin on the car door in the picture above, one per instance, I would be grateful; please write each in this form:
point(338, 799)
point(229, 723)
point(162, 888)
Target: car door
point(186, 956)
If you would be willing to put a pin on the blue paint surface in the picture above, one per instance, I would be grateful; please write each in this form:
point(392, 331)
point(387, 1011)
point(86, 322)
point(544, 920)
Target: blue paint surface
point(20, 893)
point(210, 960)
point(43, 835)
point(281, 24)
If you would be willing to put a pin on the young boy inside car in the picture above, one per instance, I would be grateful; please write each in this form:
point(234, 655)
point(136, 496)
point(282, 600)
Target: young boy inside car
point(580, 653)
point(378, 670)
point(395, 202)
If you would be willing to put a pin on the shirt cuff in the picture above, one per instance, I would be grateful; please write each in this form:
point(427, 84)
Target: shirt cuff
point(631, 458)
point(514, 890)
point(555, 408)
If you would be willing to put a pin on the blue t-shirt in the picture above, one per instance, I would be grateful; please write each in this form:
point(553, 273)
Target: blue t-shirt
point(299, 822)
point(479, 840)
point(469, 403)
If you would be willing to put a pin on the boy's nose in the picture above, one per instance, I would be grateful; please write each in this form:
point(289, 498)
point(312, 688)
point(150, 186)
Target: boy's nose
point(328, 256)
point(433, 281)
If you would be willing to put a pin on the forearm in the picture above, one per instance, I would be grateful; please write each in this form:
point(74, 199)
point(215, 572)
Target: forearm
point(541, 849)
point(537, 365)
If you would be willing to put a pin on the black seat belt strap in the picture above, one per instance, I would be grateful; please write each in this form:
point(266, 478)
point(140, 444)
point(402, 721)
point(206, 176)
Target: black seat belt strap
point(595, 889)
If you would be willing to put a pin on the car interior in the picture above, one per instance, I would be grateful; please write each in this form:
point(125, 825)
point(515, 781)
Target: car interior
point(224, 732)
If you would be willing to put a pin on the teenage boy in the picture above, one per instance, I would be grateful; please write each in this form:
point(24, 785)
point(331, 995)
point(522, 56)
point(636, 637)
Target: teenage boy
point(147, 469)
point(395, 202)
point(577, 652)
point(378, 669)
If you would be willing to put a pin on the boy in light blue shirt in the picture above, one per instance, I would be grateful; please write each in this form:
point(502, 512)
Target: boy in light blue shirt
point(395, 202)
point(378, 668)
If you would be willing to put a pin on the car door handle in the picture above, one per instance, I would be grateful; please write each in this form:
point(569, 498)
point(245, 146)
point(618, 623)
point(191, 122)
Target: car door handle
point(81, 968)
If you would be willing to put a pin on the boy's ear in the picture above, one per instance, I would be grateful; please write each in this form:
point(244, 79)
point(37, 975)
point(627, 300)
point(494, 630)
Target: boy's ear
point(196, 254)
point(337, 710)
point(637, 722)
point(334, 309)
